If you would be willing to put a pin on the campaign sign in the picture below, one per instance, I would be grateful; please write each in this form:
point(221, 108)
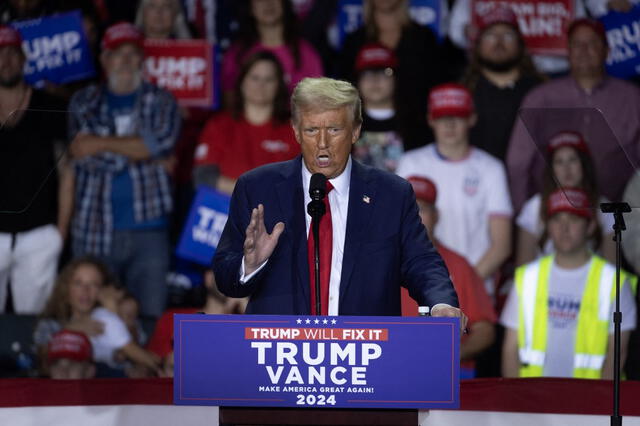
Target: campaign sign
point(316, 361)
point(623, 35)
point(424, 12)
point(186, 68)
point(204, 226)
point(56, 48)
point(543, 23)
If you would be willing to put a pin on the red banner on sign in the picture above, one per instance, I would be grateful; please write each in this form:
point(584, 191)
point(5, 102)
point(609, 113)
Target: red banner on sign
point(183, 67)
point(543, 23)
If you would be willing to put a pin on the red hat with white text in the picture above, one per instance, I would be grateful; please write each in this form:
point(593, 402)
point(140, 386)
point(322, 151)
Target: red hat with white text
point(121, 33)
point(9, 36)
point(567, 138)
point(498, 15)
point(450, 100)
point(569, 200)
point(68, 344)
point(375, 56)
point(424, 188)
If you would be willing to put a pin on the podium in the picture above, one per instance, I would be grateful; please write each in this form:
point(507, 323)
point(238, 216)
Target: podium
point(316, 417)
point(315, 370)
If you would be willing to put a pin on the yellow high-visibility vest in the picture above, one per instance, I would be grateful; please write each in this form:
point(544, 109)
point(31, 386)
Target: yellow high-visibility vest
point(592, 333)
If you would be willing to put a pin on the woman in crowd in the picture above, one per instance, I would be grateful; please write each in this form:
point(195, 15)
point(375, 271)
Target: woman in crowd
point(162, 19)
point(269, 25)
point(73, 305)
point(255, 132)
point(420, 63)
point(570, 166)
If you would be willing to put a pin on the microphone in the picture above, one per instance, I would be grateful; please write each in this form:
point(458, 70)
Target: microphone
point(316, 208)
point(317, 192)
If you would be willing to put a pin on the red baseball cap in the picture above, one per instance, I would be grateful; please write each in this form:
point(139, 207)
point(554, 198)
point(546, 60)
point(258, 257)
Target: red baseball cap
point(120, 33)
point(596, 26)
point(567, 138)
point(570, 200)
point(373, 56)
point(498, 15)
point(70, 344)
point(9, 36)
point(450, 99)
point(424, 188)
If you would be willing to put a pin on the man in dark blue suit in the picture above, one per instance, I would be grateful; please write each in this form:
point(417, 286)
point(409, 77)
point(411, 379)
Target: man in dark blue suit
point(378, 241)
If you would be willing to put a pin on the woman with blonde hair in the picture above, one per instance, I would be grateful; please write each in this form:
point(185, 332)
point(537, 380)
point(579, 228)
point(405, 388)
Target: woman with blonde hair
point(162, 19)
point(420, 63)
point(73, 305)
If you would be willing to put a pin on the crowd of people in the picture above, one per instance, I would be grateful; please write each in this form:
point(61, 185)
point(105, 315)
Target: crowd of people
point(509, 155)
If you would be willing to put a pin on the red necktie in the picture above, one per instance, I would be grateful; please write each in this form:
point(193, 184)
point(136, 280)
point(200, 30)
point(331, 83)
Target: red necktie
point(326, 247)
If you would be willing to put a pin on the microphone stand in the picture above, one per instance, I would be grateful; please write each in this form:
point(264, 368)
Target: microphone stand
point(316, 210)
point(617, 209)
point(316, 260)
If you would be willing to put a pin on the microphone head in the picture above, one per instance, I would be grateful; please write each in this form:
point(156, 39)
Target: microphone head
point(317, 186)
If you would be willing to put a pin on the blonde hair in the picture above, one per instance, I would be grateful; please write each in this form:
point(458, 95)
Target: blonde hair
point(370, 26)
point(323, 94)
point(58, 306)
point(180, 28)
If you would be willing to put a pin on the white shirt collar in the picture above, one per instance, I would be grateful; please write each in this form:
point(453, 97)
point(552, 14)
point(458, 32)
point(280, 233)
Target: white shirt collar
point(340, 183)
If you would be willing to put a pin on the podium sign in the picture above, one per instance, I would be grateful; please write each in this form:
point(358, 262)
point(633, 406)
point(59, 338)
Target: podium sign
point(315, 361)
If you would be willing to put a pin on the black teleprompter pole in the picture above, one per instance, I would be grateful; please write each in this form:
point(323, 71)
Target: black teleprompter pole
point(618, 209)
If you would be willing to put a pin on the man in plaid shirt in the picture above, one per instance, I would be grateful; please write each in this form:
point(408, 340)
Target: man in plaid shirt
point(124, 132)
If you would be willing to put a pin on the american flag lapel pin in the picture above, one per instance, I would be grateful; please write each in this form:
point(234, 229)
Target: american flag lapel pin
point(366, 199)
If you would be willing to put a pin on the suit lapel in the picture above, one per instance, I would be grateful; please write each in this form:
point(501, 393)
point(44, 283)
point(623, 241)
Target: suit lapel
point(361, 205)
point(293, 209)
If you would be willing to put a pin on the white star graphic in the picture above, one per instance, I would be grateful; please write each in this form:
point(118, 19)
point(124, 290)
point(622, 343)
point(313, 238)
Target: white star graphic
point(307, 321)
point(317, 321)
point(299, 321)
point(333, 321)
point(325, 321)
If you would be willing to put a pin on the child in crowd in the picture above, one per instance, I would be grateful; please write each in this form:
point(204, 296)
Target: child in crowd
point(474, 204)
point(570, 166)
point(380, 144)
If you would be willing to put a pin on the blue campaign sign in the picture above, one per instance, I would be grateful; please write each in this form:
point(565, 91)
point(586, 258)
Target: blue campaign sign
point(315, 361)
point(623, 35)
point(424, 12)
point(56, 48)
point(201, 233)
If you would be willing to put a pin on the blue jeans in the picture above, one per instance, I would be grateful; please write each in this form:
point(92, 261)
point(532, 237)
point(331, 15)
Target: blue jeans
point(140, 259)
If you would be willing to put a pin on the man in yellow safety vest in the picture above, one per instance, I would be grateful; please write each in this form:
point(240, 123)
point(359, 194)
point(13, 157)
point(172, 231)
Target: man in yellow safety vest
point(558, 316)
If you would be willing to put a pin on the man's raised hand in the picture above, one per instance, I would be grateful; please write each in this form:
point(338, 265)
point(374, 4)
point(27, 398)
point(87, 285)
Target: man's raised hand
point(258, 243)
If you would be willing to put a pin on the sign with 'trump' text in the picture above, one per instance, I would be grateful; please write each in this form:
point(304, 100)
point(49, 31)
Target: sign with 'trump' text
point(186, 68)
point(316, 361)
point(204, 226)
point(56, 48)
point(623, 35)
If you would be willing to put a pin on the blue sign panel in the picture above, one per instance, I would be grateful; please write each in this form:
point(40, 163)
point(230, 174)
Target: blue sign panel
point(204, 226)
point(424, 12)
point(56, 48)
point(623, 35)
point(315, 361)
